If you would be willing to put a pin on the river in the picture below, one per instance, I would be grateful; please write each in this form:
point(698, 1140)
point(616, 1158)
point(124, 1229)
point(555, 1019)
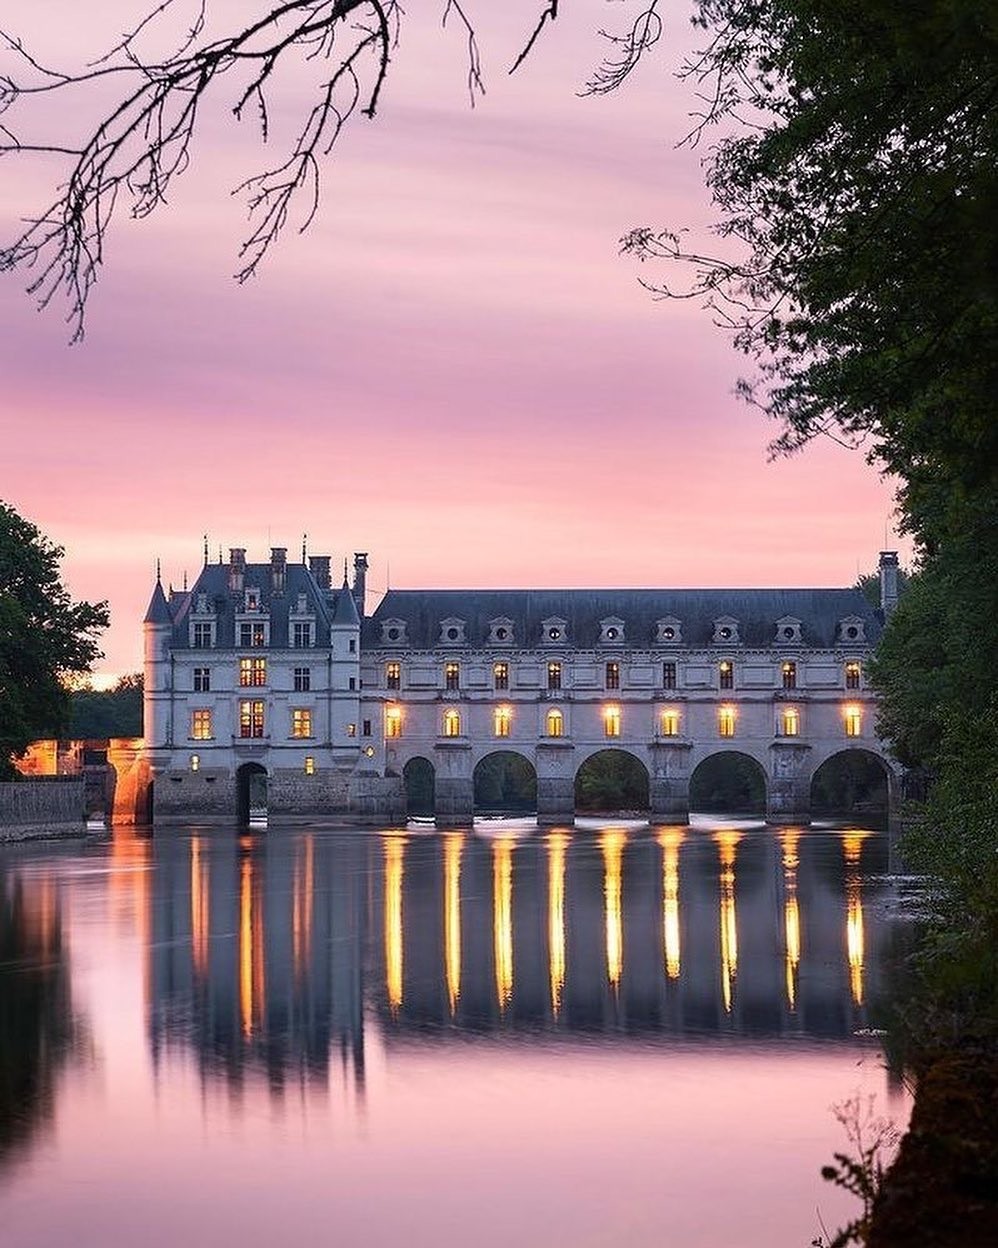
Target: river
point(603, 1035)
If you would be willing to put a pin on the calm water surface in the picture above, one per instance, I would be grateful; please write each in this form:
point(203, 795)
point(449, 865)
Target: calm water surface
point(605, 1036)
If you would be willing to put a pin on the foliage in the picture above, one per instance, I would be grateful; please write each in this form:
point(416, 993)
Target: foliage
point(729, 783)
point(612, 780)
point(873, 1142)
point(849, 782)
point(505, 781)
point(43, 637)
point(98, 713)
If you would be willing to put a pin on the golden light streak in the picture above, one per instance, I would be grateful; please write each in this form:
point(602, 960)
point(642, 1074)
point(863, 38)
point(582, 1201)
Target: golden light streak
point(394, 953)
point(612, 843)
point(246, 945)
point(789, 838)
point(727, 842)
point(852, 845)
point(502, 917)
point(453, 847)
point(670, 840)
point(200, 909)
point(557, 847)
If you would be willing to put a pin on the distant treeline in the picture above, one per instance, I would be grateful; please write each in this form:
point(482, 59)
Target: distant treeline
point(113, 712)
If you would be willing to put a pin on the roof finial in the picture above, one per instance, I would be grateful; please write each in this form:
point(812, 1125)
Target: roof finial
point(344, 569)
point(219, 554)
point(206, 550)
point(185, 580)
point(304, 548)
point(159, 573)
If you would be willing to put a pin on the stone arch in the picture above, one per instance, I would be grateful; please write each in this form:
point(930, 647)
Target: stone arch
point(420, 779)
point(250, 777)
point(505, 782)
point(852, 781)
point(612, 781)
point(729, 782)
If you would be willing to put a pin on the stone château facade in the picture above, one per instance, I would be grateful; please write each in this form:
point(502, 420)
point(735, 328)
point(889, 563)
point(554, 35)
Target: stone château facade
point(267, 668)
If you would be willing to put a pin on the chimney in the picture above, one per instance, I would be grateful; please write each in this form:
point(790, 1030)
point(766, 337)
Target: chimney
point(237, 569)
point(278, 568)
point(888, 582)
point(360, 581)
point(319, 567)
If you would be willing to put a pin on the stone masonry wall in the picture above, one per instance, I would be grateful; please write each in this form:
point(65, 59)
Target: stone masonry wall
point(43, 806)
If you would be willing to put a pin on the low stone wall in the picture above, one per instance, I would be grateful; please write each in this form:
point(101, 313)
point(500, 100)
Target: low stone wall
point(43, 806)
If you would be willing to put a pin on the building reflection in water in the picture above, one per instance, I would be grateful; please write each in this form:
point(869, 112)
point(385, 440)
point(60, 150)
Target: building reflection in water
point(267, 953)
point(852, 848)
point(789, 838)
point(557, 845)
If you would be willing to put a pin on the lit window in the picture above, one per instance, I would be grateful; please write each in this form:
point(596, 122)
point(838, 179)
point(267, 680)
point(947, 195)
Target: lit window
point(853, 674)
point(501, 717)
point(201, 636)
point(301, 723)
point(251, 719)
point(301, 634)
point(252, 672)
point(726, 721)
point(201, 726)
point(253, 634)
point(309, 765)
point(555, 724)
point(452, 676)
point(789, 673)
point(195, 762)
point(554, 675)
point(303, 679)
point(668, 675)
point(726, 674)
point(452, 724)
point(351, 730)
point(611, 721)
point(202, 680)
point(252, 600)
point(613, 676)
point(500, 676)
point(393, 675)
point(670, 723)
point(854, 721)
point(790, 722)
point(393, 721)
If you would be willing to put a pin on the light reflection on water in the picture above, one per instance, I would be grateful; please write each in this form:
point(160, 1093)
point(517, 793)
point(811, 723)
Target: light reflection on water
point(353, 1034)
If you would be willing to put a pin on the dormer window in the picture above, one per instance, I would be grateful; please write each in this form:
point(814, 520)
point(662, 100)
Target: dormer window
point(788, 631)
point(202, 634)
point(393, 632)
point(611, 631)
point(452, 631)
point(252, 600)
point(301, 634)
point(301, 606)
point(500, 631)
point(253, 633)
point(851, 629)
point(726, 630)
point(668, 631)
point(554, 631)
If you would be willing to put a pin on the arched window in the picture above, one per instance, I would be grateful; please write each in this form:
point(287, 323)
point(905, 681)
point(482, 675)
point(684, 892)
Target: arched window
point(452, 723)
point(555, 723)
point(501, 718)
point(611, 721)
point(790, 721)
point(726, 721)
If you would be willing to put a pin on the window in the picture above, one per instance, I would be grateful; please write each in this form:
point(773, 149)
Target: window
point(452, 676)
point(351, 730)
point(726, 674)
point(201, 726)
point(251, 719)
point(789, 673)
point(365, 728)
point(500, 676)
point(790, 721)
point(253, 634)
point(613, 675)
point(854, 721)
point(501, 718)
point(202, 680)
point(353, 645)
point(726, 721)
point(309, 765)
point(352, 684)
point(195, 762)
point(611, 721)
point(853, 674)
point(555, 724)
point(301, 723)
point(252, 672)
point(452, 724)
point(393, 675)
point(301, 634)
point(393, 721)
point(670, 723)
point(252, 600)
point(201, 636)
point(668, 675)
point(303, 679)
point(554, 675)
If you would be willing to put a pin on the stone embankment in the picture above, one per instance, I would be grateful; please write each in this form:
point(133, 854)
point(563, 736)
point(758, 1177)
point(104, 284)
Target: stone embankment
point(41, 807)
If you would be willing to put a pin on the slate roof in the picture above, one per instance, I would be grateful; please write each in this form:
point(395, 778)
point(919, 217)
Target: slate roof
point(159, 609)
point(756, 611)
point(213, 581)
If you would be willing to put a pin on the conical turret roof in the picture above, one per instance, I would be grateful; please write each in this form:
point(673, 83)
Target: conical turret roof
point(346, 608)
point(159, 608)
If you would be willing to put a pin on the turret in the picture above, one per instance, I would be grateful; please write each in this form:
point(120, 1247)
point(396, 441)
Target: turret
point(157, 628)
point(888, 582)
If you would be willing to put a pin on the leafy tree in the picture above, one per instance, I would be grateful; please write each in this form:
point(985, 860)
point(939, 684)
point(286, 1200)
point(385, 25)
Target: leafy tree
point(117, 712)
point(612, 780)
point(44, 636)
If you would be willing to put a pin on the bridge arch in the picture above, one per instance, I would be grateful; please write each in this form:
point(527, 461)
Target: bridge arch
point(612, 780)
point(251, 791)
point(852, 781)
point(729, 782)
point(504, 782)
point(419, 777)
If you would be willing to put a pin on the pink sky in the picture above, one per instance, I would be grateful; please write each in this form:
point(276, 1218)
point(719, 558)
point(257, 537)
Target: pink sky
point(453, 369)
